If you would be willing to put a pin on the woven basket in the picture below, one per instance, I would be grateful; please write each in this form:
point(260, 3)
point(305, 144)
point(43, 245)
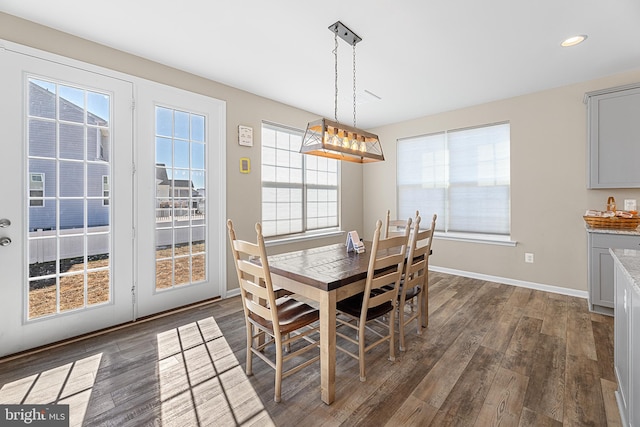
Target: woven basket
point(615, 222)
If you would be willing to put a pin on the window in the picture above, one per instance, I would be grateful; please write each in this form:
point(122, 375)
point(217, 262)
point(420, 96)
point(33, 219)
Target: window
point(462, 175)
point(105, 190)
point(36, 189)
point(299, 193)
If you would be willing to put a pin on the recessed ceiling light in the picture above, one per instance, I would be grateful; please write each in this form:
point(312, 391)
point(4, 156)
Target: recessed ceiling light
point(572, 41)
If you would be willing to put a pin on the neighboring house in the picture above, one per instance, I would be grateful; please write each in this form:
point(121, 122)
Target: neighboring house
point(42, 164)
point(175, 193)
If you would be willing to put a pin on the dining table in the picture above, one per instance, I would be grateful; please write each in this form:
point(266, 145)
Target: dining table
point(326, 275)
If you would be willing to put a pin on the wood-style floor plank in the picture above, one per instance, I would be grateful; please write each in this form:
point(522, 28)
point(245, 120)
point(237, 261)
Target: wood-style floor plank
point(464, 402)
point(583, 401)
point(503, 404)
point(580, 339)
point(555, 317)
point(492, 355)
point(603, 336)
point(608, 396)
point(519, 355)
point(546, 388)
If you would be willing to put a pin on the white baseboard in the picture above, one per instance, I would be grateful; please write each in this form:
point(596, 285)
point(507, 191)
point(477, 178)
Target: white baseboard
point(232, 293)
point(488, 278)
point(514, 282)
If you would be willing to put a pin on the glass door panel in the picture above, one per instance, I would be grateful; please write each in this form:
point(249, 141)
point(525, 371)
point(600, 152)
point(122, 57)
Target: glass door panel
point(68, 212)
point(180, 198)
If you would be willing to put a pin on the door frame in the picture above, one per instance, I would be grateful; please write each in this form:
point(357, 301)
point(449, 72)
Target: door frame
point(149, 95)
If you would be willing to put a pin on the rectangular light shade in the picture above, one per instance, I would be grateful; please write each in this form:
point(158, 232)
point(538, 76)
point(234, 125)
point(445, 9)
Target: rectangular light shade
point(326, 138)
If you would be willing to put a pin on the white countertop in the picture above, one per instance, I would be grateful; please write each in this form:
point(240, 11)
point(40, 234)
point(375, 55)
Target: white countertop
point(634, 232)
point(629, 259)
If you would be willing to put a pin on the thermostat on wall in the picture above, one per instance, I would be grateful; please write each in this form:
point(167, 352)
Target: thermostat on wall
point(245, 136)
point(245, 165)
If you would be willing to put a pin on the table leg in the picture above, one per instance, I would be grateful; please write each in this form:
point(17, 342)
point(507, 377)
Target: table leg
point(424, 300)
point(328, 346)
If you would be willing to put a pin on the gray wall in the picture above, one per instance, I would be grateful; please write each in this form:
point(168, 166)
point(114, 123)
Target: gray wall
point(548, 184)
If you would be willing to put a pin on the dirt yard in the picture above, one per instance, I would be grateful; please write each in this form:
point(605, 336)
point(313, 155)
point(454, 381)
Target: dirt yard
point(42, 293)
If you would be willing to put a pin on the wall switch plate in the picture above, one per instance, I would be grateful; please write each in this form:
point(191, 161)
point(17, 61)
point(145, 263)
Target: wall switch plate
point(528, 257)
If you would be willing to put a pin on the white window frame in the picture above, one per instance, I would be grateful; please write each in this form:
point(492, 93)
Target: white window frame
point(309, 225)
point(105, 192)
point(433, 173)
point(40, 198)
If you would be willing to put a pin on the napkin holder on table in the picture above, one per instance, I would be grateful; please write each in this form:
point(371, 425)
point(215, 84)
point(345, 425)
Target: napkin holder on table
point(354, 244)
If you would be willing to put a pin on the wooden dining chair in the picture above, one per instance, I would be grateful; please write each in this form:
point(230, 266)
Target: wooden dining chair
point(415, 280)
point(284, 320)
point(372, 312)
point(395, 227)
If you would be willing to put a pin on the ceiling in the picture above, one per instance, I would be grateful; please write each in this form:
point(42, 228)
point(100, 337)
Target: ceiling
point(418, 56)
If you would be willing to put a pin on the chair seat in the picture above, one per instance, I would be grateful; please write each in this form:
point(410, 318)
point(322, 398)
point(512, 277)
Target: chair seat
point(353, 307)
point(412, 293)
point(292, 315)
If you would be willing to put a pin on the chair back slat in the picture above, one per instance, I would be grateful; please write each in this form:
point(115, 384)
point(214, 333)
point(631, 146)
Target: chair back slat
point(258, 309)
point(251, 268)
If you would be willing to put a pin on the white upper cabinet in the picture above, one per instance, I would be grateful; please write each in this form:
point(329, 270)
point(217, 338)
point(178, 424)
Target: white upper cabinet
point(613, 133)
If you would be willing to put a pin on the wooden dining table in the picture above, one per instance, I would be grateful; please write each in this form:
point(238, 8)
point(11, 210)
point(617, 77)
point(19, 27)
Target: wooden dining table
point(326, 275)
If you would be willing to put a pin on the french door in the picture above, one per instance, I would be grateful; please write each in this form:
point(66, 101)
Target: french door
point(101, 221)
point(66, 253)
point(180, 198)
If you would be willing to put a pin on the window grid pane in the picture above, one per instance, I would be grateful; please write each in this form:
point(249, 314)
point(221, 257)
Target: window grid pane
point(181, 220)
point(299, 193)
point(463, 176)
point(68, 208)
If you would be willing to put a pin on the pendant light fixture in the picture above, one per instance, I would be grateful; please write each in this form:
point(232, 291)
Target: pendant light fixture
point(330, 138)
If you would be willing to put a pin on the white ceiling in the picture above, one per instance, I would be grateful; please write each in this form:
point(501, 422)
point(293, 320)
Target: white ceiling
point(419, 56)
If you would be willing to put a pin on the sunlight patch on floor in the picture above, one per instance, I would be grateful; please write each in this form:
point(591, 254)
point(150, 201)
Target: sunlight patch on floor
point(202, 382)
point(70, 384)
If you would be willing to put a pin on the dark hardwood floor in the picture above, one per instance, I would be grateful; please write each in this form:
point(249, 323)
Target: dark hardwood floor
point(492, 355)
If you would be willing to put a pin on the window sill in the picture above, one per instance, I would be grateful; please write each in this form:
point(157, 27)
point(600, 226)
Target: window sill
point(275, 241)
point(491, 239)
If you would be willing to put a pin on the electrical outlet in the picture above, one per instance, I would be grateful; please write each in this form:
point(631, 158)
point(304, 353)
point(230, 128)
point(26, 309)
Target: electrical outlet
point(528, 257)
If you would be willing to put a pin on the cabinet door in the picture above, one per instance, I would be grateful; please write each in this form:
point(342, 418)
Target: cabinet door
point(621, 340)
point(601, 292)
point(601, 267)
point(634, 358)
point(614, 139)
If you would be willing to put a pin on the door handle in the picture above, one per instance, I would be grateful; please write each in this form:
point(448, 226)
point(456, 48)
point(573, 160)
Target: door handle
point(5, 241)
point(4, 223)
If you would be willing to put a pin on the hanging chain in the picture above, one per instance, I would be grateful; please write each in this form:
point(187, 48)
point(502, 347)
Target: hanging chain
point(335, 55)
point(354, 85)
